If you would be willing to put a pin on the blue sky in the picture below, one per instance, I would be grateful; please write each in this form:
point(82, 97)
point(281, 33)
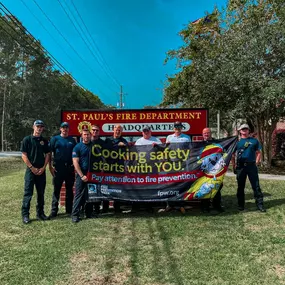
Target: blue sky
point(133, 37)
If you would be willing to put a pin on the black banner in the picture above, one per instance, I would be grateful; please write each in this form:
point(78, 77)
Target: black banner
point(173, 172)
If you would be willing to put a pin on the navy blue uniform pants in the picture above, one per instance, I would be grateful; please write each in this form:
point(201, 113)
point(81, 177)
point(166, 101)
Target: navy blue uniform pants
point(63, 173)
point(251, 171)
point(80, 198)
point(216, 201)
point(32, 180)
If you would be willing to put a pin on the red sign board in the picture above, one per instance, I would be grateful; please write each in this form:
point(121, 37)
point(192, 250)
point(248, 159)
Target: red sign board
point(160, 120)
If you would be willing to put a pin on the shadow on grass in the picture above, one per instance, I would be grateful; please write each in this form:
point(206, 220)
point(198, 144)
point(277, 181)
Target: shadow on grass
point(134, 254)
point(157, 234)
point(164, 263)
point(229, 202)
point(248, 196)
point(172, 264)
point(268, 204)
point(109, 262)
point(157, 267)
point(192, 209)
point(111, 255)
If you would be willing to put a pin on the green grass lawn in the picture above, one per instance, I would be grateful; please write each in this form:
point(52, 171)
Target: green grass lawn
point(157, 249)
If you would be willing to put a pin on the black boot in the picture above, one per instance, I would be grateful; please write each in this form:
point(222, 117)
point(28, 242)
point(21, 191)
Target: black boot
point(205, 206)
point(261, 208)
point(42, 217)
point(26, 220)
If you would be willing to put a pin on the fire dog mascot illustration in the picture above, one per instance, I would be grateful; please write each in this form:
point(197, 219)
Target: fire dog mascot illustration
point(212, 163)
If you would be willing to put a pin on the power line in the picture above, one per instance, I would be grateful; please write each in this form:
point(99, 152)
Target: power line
point(46, 30)
point(58, 64)
point(53, 59)
point(67, 41)
point(89, 44)
point(92, 53)
point(54, 41)
point(95, 45)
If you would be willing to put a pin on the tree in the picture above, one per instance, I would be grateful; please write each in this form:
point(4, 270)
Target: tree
point(31, 87)
point(235, 64)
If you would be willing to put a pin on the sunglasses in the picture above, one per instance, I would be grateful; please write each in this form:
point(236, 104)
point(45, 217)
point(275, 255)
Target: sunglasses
point(39, 126)
point(95, 130)
point(178, 126)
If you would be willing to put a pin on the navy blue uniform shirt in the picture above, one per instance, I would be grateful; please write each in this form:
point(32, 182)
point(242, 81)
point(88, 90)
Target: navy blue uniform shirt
point(62, 149)
point(82, 151)
point(249, 146)
point(115, 141)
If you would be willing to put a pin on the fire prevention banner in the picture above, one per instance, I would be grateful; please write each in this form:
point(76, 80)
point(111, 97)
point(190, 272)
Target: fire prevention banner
point(167, 172)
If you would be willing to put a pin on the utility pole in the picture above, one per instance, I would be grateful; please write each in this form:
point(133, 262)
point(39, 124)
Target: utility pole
point(218, 124)
point(121, 103)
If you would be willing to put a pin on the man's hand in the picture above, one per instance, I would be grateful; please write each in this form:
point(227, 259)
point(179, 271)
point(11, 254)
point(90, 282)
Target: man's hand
point(40, 171)
point(52, 170)
point(35, 170)
point(84, 178)
point(235, 170)
point(121, 144)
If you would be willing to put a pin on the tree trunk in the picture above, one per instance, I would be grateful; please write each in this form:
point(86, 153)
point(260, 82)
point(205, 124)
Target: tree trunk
point(3, 115)
point(265, 128)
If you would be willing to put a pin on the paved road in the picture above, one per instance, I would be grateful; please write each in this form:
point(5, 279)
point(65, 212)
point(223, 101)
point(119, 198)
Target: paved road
point(263, 176)
point(10, 154)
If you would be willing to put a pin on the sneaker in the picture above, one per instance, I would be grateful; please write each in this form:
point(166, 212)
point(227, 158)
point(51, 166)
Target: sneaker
point(26, 220)
point(205, 210)
point(182, 210)
point(241, 208)
point(219, 209)
point(42, 217)
point(89, 216)
point(261, 208)
point(75, 219)
point(161, 210)
point(52, 216)
point(117, 210)
point(168, 209)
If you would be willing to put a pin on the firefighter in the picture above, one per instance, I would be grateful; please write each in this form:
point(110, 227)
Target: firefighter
point(35, 154)
point(248, 157)
point(81, 157)
point(62, 168)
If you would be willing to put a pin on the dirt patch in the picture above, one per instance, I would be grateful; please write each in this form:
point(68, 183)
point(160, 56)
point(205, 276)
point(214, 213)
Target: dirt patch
point(87, 270)
point(280, 271)
point(256, 228)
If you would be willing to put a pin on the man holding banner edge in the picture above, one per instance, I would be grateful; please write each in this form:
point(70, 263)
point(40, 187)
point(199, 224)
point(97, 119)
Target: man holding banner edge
point(81, 159)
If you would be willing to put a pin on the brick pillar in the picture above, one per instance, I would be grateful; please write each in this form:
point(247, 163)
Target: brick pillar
point(62, 195)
